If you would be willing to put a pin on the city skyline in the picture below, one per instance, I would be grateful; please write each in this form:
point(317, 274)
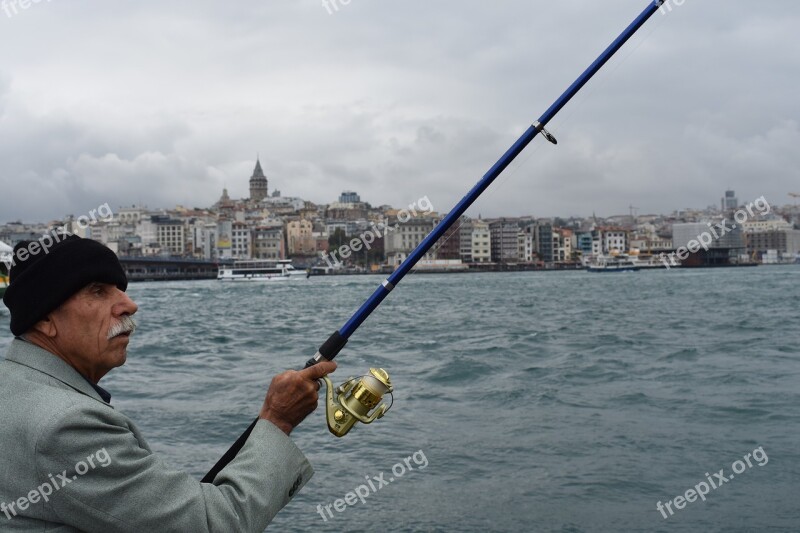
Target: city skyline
point(633, 211)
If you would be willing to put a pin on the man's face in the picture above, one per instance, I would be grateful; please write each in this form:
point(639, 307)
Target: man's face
point(83, 324)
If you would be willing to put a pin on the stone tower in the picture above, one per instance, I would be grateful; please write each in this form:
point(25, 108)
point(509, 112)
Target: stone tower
point(258, 184)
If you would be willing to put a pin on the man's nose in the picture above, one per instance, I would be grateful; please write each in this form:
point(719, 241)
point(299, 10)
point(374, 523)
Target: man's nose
point(125, 306)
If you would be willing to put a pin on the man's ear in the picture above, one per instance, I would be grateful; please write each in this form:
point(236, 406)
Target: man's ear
point(46, 327)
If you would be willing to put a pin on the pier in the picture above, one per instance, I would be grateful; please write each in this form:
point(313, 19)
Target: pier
point(168, 268)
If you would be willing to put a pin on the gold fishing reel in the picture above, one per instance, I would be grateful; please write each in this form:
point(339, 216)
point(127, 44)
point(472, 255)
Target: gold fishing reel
point(356, 400)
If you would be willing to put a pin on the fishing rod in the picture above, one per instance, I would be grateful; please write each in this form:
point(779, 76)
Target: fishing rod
point(357, 399)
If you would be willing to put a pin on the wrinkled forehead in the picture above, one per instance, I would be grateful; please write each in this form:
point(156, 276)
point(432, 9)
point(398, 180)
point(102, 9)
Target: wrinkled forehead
point(91, 296)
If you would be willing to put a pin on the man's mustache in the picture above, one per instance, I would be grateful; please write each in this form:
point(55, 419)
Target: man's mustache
point(126, 324)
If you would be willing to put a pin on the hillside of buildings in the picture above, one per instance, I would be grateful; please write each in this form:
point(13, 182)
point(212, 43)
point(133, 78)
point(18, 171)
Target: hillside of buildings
point(350, 233)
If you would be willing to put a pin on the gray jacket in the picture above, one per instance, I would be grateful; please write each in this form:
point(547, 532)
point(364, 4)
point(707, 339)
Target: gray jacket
point(70, 462)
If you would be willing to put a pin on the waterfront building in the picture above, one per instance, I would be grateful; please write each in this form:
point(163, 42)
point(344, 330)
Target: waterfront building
point(321, 242)
point(562, 245)
point(241, 241)
point(100, 232)
point(683, 234)
point(406, 236)
point(224, 231)
point(784, 243)
point(584, 242)
point(127, 246)
point(774, 223)
point(504, 240)
point(299, 238)
point(481, 242)
point(170, 234)
point(723, 250)
point(465, 242)
point(448, 247)
point(475, 243)
point(652, 244)
point(526, 243)
point(268, 242)
point(543, 240)
point(609, 240)
point(204, 239)
point(147, 233)
point(115, 231)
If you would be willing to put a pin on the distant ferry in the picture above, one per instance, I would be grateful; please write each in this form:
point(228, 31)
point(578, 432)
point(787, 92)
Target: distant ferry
point(6, 256)
point(261, 270)
point(612, 264)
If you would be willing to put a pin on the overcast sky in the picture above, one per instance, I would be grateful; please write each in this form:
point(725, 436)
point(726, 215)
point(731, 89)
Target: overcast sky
point(165, 103)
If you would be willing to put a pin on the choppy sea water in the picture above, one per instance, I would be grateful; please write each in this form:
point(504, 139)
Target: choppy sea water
point(565, 401)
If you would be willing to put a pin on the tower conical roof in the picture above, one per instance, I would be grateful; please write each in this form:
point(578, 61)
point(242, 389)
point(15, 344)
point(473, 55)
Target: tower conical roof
point(257, 172)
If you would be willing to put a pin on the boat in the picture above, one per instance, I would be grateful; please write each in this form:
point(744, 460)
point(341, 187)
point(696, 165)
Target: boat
point(6, 256)
point(654, 262)
point(261, 270)
point(3, 280)
point(612, 264)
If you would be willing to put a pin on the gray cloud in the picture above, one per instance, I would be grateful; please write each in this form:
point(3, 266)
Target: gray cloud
point(132, 102)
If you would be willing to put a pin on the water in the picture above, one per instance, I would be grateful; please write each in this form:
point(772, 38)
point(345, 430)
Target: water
point(540, 401)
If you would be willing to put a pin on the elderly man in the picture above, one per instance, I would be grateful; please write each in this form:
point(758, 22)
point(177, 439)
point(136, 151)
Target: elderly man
point(70, 461)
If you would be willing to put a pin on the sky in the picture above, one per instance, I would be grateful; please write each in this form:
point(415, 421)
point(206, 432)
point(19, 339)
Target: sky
point(165, 103)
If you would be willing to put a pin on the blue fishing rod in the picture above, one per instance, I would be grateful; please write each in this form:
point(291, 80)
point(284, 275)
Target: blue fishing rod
point(357, 399)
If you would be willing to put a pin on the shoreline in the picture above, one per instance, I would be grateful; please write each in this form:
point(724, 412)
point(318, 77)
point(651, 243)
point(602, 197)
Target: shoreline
point(139, 277)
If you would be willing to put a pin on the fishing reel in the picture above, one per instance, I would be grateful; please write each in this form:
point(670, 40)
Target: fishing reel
point(356, 400)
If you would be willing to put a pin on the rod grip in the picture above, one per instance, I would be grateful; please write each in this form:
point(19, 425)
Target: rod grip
point(329, 349)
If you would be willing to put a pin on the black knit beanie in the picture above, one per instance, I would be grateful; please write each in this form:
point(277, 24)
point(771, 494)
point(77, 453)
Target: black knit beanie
point(47, 272)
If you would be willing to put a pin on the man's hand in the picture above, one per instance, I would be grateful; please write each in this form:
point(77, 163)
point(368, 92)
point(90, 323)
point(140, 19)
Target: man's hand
point(293, 395)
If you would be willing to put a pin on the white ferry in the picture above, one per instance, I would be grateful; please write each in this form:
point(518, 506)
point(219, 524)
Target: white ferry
point(6, 257)
point(261, 270)
point(612, 264)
